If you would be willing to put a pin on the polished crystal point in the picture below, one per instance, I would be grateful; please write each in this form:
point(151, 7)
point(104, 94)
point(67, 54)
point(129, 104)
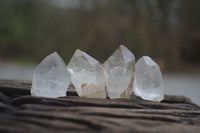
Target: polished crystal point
point(120, 73)
point(148, 82)
point(50, 78)
point(87, 75)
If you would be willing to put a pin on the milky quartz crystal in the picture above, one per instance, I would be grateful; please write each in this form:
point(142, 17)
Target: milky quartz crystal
point(120, 73)
point(50, 78)
point(87, 75)
point(148, 82)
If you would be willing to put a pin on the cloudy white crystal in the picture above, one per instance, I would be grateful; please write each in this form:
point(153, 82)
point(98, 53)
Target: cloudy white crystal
point(120, 69)
point(148, 82)
point(87, 75)
point(50, 78)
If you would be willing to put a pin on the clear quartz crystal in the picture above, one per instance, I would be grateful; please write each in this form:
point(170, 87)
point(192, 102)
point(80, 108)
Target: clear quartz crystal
point(87, 75)
point(50, 78)
point(120, 73)
point(148, 82)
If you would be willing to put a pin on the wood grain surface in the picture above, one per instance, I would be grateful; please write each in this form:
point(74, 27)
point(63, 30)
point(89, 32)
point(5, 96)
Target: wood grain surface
point(22, 113)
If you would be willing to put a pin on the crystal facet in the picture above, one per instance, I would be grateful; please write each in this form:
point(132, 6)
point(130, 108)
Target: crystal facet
point(148, 82)
point(87, 75)
point(120, 73)
point(50, 78)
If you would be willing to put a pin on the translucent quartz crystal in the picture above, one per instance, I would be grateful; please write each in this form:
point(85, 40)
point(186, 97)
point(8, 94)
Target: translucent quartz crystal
point(50, 78)
point(87, 75)
point(120, 69)
point(148, 82)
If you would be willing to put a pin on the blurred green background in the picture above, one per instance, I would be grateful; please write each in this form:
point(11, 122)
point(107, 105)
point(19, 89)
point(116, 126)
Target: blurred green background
point(166, 30)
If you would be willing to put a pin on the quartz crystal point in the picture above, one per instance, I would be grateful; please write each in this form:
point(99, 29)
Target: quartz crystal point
point(148, 82)
point(120, 73)
point(87, 75)
point(50, 78)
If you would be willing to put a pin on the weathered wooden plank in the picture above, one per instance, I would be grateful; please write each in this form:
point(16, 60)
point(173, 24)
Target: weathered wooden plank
point(20, 112)
point(15, 88)
point(4, 98)
point(5, 107)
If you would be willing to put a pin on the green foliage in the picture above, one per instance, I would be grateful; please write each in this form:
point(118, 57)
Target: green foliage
point(159, 28)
